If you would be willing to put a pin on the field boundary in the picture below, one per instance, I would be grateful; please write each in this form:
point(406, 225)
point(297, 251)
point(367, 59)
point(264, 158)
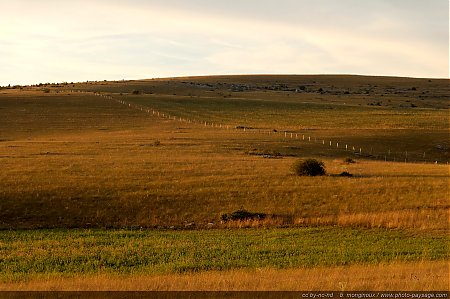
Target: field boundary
point(351, 149)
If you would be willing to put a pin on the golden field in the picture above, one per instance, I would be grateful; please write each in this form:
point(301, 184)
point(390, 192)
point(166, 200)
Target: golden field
point(77, 160)
point(421, 276)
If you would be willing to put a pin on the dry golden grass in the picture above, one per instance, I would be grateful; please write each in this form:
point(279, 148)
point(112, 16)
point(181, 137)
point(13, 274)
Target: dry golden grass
point(421, 276)
point(82, 181)
point(101, 168)
point(418, 219)
point(75, 160)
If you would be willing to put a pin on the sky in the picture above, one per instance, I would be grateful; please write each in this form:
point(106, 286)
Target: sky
point(73, 41)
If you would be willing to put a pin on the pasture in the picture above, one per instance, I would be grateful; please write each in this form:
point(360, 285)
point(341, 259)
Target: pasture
point(50, 255)
point(80, 168)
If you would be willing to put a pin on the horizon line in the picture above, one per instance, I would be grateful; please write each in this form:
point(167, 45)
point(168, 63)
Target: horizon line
point(234, 75)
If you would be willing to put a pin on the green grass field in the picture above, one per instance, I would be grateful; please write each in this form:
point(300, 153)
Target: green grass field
point(28, 254)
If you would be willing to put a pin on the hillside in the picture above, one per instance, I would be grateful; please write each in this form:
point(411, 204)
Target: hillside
point(136, 179)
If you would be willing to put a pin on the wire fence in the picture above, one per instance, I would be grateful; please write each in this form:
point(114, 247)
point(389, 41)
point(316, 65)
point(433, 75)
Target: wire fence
point(335, 144)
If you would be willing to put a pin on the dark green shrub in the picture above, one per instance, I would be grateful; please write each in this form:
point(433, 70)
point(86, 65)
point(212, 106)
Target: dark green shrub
point(309, 167)
point(242, 215)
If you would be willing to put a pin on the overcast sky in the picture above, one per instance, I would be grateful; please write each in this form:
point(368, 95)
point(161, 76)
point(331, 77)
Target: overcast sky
point(56, 41)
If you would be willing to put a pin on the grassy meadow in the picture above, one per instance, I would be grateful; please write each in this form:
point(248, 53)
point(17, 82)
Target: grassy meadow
point(69, 253)
point(413, 276)
point(93, 189)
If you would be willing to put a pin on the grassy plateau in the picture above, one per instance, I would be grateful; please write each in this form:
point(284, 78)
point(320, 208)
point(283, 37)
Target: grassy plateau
point(122, 185)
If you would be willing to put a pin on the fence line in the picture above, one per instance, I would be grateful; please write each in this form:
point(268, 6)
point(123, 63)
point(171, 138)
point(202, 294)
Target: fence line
point(355, 150)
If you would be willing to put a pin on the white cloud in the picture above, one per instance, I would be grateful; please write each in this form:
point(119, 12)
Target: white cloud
point(53, 41)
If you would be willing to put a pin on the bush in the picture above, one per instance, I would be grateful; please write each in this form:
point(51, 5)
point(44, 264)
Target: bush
point(136, 92)
point(309, 167)
point(242, 215)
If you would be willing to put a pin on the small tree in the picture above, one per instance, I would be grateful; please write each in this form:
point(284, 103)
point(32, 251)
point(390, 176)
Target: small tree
point(309, 167)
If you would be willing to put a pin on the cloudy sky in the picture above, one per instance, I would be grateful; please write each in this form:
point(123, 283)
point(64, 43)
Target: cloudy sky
point(79, 40)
